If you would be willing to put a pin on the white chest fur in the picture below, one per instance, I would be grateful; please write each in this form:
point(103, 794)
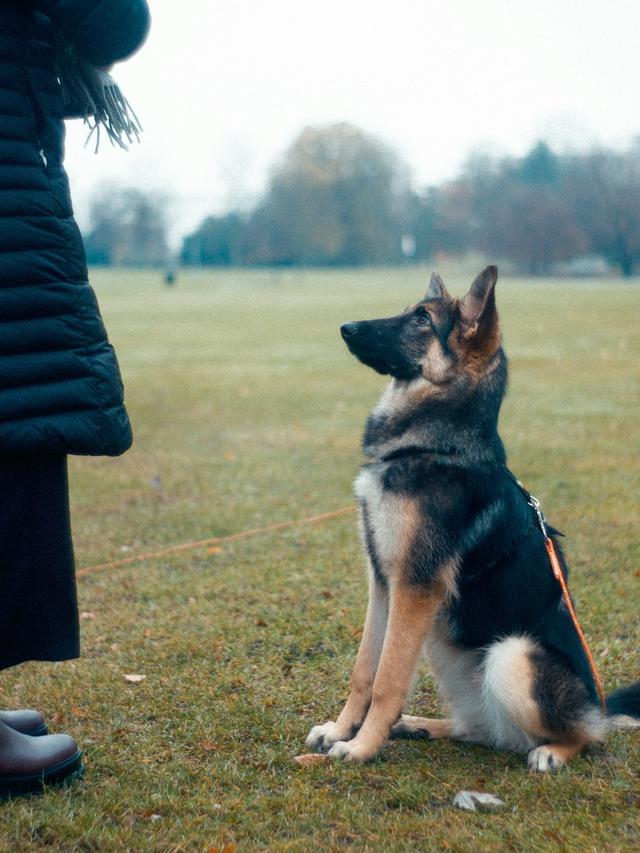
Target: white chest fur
point(390, 518)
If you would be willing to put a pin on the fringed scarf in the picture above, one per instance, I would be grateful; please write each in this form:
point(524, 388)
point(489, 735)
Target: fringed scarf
point(93, 94)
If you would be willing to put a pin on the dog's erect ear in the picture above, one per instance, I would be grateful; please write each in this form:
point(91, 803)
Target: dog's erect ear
point(436, 289)
point(478, 308)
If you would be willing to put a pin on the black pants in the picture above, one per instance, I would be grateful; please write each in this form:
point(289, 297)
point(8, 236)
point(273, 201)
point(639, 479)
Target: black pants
point(38, 606)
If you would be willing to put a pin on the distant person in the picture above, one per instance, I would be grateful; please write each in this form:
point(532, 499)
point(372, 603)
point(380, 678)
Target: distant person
point(60, 387)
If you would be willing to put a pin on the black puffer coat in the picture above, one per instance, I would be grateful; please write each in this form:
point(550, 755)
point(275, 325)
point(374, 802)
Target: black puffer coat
point(60, 387)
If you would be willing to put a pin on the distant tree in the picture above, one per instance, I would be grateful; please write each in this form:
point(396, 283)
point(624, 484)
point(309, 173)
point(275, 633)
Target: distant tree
point(340, 196)
point(540, 167)
point(335, 198)
point(535, 228)
point(219, 241)
point(517, 211)
point(421, 222)
point(128, 227)
point(603, 190)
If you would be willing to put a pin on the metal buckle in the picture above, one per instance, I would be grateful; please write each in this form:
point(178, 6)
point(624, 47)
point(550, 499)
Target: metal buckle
point(535, 503)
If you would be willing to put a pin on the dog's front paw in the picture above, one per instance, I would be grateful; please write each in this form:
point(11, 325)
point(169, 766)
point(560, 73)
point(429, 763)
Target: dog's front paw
point(543, 759)
point(351, 750)
point(322, 738)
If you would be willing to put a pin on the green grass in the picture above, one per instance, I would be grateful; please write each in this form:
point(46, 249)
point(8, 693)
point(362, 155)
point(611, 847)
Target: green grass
point(247, 410)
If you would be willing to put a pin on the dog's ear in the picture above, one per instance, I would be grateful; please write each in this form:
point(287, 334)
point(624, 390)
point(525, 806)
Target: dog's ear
point(436, 289)
point(478, 308)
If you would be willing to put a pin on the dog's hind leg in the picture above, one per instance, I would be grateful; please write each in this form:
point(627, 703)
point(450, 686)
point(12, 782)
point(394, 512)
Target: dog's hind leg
point(553, 756)
point(411, 614)
point(414, 728)
point(533, 703)
point(322, 738)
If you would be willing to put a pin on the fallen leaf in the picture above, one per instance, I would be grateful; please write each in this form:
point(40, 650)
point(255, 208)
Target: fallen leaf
point(149, 813)
point(207, 745)
point(471, 801)
point(310, 758)
point(134, 677)
point(78, 712)
point(261, 623)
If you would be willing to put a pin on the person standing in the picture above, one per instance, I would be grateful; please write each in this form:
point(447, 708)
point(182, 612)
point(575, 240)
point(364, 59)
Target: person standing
point(60, 386)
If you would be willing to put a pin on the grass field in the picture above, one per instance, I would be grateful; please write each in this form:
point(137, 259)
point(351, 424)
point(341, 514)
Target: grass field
point(247, 411)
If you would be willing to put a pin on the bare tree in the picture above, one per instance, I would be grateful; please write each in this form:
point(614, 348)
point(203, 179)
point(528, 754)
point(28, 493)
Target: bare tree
point(333, 199)
point(128, 227)
point(603, 189)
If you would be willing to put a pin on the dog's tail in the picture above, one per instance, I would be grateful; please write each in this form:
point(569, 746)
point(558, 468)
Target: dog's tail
point(623, 707)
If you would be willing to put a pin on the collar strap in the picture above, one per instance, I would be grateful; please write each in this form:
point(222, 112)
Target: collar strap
point(417, 450)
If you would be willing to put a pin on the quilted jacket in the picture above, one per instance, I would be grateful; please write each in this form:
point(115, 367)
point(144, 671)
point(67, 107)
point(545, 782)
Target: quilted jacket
point(60, 386)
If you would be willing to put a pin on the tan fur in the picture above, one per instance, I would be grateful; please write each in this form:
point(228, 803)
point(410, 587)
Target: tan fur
point(436, 366)
point(490, 698)
point(475, 346)
point(477, 357)
point(411, 614)
point(511, 710)
point(409, 726)
point(365, 667)
point(394, 519)
point(553, 756)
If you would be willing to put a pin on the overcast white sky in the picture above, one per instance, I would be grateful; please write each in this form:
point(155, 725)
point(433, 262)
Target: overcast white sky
point(223, 86)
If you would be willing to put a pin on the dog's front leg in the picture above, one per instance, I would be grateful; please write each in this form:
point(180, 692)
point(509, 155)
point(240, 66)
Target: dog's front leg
point(412, 610)
point(323, 737)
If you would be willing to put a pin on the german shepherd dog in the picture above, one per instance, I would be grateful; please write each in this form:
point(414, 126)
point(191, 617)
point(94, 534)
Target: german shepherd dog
point(457, 562)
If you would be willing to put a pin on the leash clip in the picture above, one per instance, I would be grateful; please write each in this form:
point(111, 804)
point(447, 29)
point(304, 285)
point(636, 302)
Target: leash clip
point(535, 503)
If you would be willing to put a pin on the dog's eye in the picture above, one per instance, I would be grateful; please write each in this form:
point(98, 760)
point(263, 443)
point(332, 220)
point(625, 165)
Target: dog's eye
point(423, 319)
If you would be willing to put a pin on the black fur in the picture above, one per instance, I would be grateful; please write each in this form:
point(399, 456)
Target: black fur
point(561, 697)
point(370, 545)
point(625, 701)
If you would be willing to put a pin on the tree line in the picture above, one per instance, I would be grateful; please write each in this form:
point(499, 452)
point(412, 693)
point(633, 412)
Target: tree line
point(340, 196)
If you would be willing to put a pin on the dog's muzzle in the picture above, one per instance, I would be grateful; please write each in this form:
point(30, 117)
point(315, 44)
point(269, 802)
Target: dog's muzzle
point(348, 330)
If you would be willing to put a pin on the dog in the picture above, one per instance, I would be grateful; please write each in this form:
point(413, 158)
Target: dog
point(457, 563)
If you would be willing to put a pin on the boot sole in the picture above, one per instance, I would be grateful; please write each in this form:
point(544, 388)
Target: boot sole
point(34, 783)
point(39, 732)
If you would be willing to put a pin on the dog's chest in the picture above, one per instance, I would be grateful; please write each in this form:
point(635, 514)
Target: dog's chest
point(388, 521)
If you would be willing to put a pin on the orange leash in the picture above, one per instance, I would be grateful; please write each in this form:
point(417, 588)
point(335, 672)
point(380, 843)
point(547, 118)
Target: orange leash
point(557, 572)
point(559, 576)
point(214, 540)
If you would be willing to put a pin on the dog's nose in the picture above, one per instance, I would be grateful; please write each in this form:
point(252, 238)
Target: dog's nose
point(347, 330)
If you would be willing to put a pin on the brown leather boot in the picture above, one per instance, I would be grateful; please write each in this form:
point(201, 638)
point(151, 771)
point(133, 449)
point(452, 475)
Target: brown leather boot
point(29, 763)
point(26, 721)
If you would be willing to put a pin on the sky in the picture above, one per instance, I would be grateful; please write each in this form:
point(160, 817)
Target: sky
point(222, 87)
